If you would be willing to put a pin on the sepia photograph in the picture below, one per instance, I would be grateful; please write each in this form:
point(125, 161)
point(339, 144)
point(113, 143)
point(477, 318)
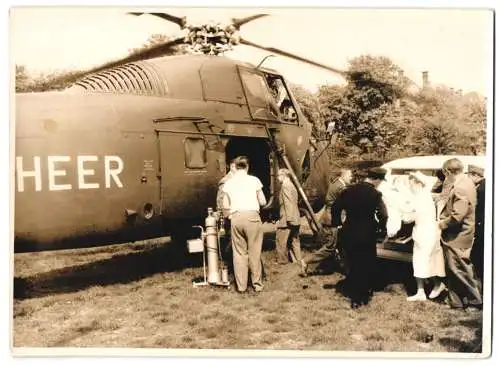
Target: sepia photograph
point(231, 181)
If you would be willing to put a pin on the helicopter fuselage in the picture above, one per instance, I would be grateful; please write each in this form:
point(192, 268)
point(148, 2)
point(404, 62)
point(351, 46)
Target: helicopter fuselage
point(135, 151)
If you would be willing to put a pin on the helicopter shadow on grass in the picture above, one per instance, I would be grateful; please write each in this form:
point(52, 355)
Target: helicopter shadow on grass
point(118, 269)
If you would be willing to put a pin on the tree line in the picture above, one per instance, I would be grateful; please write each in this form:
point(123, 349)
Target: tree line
point(379, 114)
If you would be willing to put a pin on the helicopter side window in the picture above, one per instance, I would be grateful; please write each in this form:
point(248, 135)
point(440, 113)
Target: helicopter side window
point(282, 98)
point(195, 153)
point(258, 96)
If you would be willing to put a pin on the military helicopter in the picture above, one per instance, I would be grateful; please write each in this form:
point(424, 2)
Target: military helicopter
point(135, 148)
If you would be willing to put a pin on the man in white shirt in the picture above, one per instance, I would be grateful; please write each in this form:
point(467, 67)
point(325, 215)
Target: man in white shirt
point(243, 198)
point(225, 240)
point(220, 192)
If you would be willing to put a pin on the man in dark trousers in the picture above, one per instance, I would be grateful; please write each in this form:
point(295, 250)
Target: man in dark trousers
point(457, 224)
point(329, 248)
point(477, 255)
point(287, 233)
point(365, 216)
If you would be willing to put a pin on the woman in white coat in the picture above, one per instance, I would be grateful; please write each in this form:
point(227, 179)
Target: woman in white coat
point(428, 260)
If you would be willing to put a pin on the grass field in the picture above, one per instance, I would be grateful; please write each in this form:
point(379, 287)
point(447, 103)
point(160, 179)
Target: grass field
point(141, 295)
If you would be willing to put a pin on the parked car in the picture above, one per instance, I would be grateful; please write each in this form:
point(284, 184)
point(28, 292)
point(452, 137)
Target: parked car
point(400, 247)
point(430, 164)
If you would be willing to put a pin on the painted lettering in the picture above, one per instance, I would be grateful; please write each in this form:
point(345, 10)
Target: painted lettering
point(87, 176)
point(82, 172)
point(110, 172)
point(21, 173)
point(53, 173)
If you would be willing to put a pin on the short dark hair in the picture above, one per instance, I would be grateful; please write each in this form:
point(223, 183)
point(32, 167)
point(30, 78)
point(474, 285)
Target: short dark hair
point(454, 166)
point(376, 173)
point(242, 162)
point(440, 175)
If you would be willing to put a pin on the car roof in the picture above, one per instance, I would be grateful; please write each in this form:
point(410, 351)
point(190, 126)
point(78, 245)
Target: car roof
point(433, 161)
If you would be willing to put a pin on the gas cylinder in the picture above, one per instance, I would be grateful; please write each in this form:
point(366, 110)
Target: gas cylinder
point(212, 247)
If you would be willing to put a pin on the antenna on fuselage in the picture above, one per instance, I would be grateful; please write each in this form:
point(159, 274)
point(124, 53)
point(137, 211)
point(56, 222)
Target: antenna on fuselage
point(264, 59)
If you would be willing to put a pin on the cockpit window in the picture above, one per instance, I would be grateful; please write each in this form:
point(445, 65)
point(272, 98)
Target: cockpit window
point(258, 96)
point(281, 98)
point(268, 96)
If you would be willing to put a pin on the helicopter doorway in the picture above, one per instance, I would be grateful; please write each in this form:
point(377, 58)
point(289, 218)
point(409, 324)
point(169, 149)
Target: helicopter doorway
point(261, 160)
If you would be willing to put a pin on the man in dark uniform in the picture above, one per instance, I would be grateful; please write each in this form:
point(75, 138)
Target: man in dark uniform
point(329, 248)
point(365, 216)
point(477, 254)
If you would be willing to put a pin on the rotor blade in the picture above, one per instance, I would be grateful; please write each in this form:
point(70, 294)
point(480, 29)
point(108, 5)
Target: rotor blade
point(238, 22)
point(292, 56)
point(155, 51)
point(181, 22)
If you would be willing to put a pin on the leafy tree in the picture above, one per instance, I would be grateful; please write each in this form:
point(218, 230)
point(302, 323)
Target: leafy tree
point(377, 117)
point(436, 137)
point(333, 103)
point(309, 105)
point(22, 78)
point(380, 79)
point(363, 111)
point(450, 122)
point(58, 80)
point(472, 122)
point(61, 80)
point(156, 39)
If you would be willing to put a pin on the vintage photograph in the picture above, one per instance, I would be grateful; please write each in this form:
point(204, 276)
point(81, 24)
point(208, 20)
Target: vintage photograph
point(308, 180)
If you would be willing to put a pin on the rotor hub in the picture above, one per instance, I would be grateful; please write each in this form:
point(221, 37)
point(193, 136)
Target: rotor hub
point(210, 39)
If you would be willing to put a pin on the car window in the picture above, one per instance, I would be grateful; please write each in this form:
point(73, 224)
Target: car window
point(429, 172)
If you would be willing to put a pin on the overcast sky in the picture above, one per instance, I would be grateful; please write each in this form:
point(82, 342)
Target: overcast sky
point(455, 46)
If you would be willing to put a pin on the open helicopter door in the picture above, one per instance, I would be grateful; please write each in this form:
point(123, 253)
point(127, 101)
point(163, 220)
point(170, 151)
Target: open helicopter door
point(262, 161)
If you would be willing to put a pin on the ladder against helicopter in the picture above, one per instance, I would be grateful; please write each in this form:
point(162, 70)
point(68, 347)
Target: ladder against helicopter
point(87, 171)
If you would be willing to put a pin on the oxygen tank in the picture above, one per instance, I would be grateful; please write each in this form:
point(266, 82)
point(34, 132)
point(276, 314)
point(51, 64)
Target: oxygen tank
point(212, 247)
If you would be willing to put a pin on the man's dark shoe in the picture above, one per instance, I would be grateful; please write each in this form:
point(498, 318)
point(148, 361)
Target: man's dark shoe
point(365, 301)
point(355, 305)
